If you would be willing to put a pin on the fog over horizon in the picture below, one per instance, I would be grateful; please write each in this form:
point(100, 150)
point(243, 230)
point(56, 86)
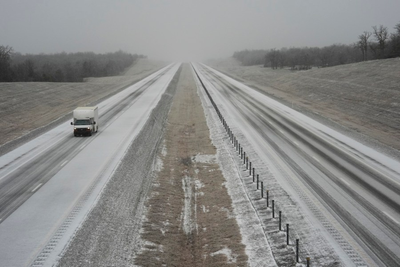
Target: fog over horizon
point(178, 30)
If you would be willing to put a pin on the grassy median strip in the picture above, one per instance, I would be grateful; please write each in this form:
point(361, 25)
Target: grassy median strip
point(189, 219)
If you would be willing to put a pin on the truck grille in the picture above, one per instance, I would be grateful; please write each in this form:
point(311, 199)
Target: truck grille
point(82, 131)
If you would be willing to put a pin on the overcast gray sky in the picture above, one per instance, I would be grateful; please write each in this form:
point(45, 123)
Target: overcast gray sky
point(187, 29)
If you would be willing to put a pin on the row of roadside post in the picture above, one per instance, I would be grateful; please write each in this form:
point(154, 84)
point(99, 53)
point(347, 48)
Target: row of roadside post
point(248, 164)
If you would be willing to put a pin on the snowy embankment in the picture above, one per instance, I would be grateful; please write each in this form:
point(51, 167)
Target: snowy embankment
point(361, 100)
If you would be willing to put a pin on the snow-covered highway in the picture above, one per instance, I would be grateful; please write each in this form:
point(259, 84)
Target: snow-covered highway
point(48, 184)
point(356, 190)
point(341, 198)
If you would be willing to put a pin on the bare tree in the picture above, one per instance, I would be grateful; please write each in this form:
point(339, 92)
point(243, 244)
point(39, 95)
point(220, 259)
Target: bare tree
point(363, 44)
point(394, 42)
point(5, 59)
point(381, 35)
point(72, 67)
point(326, 56)
point(397, 28)
point(274, 56)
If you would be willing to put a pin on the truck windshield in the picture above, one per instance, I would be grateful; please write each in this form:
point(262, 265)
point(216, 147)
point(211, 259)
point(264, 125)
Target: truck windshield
point(82, 122)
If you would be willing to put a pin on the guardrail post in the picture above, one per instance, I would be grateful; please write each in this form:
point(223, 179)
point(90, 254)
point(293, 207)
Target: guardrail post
point(257, 181)
point(273, 208)
point(287, 234)
point(267, 198)
point(262, 188)
point(297, 250)
point(308, 261)
point(250, 169)
point(280, 220)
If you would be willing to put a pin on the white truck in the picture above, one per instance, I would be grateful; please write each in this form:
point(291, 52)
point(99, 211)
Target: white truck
point(85, 120)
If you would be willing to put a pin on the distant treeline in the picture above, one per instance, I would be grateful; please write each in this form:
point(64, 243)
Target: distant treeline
point(378, 44)
point(61, 67)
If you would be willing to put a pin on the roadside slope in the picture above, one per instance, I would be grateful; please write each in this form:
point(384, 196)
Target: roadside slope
point(27, 109)
point(361, 100)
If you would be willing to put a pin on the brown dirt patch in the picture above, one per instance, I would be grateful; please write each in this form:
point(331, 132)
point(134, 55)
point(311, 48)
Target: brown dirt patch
point(189, 220)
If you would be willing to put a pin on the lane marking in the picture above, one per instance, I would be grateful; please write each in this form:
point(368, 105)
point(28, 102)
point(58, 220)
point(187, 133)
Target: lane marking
point(31, 158)
point(294, 142)
point(37, 187)
point(316, 159)
point(390, 216)
point(344, 181)
point(82, 147)
point(65, 162)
